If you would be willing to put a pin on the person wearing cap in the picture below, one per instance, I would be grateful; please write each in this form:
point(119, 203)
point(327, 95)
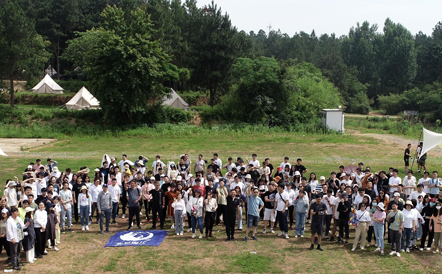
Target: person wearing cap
point(104, 206)
point(318, 211)
point(379, 221)
point(344, 209)
point(29, 236)
point(10, 194)
point(141, 161)
point(296, 177)
point(84, 204)
point(410, 225)
point(3, 242)
point(172, 171)
point(427, 212)
point(396, 227)
point(14, 235)
point(361, 230)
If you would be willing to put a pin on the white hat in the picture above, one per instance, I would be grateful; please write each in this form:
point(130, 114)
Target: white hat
point(29, 209)
point(248, 176)
point(381, 206)
point(190, 176)
point(152, 178)
point(343, 174)
point(12, 183)
point(29, 167)
point(321, 178)
point(297, 173)
point(179, 178)
point(397, 194)
point(4, 210)
point(409, 203)
point(353, 175)
point(97, 169)
point(162, 175)
point(55, 169)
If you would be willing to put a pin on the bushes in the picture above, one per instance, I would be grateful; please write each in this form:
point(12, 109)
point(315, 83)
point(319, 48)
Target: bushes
point(72, 85)
point(192, 97)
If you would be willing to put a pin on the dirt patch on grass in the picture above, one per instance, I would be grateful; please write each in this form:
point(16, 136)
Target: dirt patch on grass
point(18, 145)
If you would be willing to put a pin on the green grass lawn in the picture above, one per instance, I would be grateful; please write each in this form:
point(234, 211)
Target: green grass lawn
point(83, 252)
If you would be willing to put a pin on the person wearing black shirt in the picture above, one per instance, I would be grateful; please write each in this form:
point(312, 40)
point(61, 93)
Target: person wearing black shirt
point(269, 206)
point(318, 211)
point(407, 157)
point(341, 170)
point(213, 166)
point(232, 208)
point(267, 160)
point(76, 188)
point(158, 201)
point(43, 197)
point(254, 174)
point(300, 167)
point(210, 188)
point(344, 209)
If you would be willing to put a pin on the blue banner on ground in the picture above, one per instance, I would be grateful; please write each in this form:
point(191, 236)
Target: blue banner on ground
point(137, 238)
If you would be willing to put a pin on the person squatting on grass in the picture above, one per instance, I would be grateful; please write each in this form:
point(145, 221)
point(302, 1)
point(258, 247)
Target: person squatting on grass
point(378, 202)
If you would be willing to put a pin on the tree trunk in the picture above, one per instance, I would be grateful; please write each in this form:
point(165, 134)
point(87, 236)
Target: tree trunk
point(11, 92)
point(58, 59)
point(212, 95)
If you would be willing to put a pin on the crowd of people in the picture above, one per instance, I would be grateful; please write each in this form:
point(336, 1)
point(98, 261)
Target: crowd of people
point(40, 206)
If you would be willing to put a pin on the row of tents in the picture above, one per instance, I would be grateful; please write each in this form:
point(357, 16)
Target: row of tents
point(83, 99)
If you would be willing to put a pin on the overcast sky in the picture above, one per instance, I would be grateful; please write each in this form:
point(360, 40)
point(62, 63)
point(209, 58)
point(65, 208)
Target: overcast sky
point(329, 16)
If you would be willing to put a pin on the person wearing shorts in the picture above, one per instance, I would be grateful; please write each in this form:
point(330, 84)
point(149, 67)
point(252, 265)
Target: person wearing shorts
point(255, 205)
point(269, 212)
point(318, 210)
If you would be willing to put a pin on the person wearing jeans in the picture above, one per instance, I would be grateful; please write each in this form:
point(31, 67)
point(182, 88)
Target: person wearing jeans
point(281, 207)
point(197, 213)
point(410, 225)
point(379, 220)
point(396, 221)
point(301, 204)
point(84, 203)
point(179, 212)
point(104, 203)
point(66, 206)
point(14, 234)
point(115, 192)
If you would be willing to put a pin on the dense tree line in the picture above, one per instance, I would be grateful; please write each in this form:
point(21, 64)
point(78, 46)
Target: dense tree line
point(202, 50)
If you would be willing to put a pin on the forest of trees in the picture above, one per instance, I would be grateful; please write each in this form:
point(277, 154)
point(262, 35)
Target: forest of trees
point(174, 43)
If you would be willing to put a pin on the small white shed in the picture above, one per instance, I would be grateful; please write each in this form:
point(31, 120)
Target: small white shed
point(333, 119)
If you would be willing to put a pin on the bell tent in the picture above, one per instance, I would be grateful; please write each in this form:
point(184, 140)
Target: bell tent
point(47, 85)
point(83, 100)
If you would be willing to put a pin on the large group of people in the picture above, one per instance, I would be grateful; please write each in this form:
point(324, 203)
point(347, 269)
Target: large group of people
point(40, 206)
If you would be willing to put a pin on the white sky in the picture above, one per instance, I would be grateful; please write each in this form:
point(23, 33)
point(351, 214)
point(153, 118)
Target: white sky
point(329, 16)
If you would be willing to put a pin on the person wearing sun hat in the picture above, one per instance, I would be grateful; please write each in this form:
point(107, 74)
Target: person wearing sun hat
point(410, 225)
point(379, 220)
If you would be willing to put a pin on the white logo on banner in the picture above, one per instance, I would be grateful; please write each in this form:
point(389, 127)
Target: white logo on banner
point(136, 236)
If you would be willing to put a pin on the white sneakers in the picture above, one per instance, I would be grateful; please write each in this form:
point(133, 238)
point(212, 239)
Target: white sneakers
point(286, 236)
point(172, 227)
point(181, 233)
point(124, 216)
point(178, 234)
point(362, 248)
point(55, 249)
point(392, 253)
point(353, 249)
point(82, 228)
point(398, 254)
point(193, 235)
point(264, 231)
point(189, 230)
point(302, 236)
point(407, 250)
point(201, 236)
point(377, 249)
point(296, 236)
point(87, 227)
point(280, 234)
point(272, 231)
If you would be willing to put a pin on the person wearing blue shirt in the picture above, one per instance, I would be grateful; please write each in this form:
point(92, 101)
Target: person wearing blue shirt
point(434, 185)
point(255, 204)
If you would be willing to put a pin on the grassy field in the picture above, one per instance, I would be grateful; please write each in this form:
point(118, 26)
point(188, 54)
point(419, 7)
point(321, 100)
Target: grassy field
point(82, 252)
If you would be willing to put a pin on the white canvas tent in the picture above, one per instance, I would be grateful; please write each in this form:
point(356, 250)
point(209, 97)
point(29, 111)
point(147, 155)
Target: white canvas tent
point(431, 140)
point(49, 70)
point(2, 153)
point(82, 100)
point(175, 101)
point(47, 85)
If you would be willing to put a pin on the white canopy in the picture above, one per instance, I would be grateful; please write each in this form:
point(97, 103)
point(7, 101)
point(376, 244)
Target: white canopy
point(49, 70)
point(2, 153)
point(82, 100)
point(431, 139)
point(47, 85)
point(175, 101)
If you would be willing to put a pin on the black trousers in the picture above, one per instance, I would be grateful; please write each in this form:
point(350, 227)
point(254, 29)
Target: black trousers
point(395, 239)
point(40, 241)
point(209, 220)
point(229, 221)
point(157, 211)
point(343, 225)
point(189, 219)
point(134, 211)
point(5, 244)
point(220, 211)
point(146, 208)
point(426, 232)
point(123, 204)
point(371, 234)
point(95, 211)
point(291, 209)
point(75, 213)
point(15, 253)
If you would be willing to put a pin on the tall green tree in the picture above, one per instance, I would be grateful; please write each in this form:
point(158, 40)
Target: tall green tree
point(22, 50)
point(126, 67)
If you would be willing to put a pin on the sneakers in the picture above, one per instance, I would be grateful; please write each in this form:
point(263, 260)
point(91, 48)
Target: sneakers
point(189, 230)
point(172, 227)
point(272, 231)
point(346, 243)
point(382, 253)
point(353, 249)
point(421, 249)
point(312, 247)
point(362, 248)
point(181, 233)
point(102, 232)
point(407, 250)
point(427, 249)
point(264, 231)
point(129, 228)
point(201, 236)
point(227, 240)
point(139, 228)
point(246, 239)
point(286, 236)
point(254, 238)
point(87, 227)
point(332, 239)
point(178, 234)
point(302, 236)
point(319, 248)
point(193, 236)
point(377, 249)
point(124, 216)
point(70, 230)
point(402, 250)
point(296, 236)
point(55, 249)
point(108, 231)
point(280, 234)
point(398, 254)
point(82, 228)
point(392, 253)
point(436, 251)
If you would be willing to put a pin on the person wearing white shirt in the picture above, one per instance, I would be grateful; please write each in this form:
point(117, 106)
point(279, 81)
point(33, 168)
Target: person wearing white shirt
point(218, 160)
point(211, 206)
point(179, 207)
point(94, 190)
point(10, 194)
point(361, 230)
point(41, 182)
point(40, 220)
point(292, 197)
point(122, 162)
point(359, 197)
point(394, 182)
point(115, 192)
point(409, 183)
point(410, 225)
point(237, 182)
point(230, 165)
point(155, 163)
point(415, 194)
point(328, 200)
point(359, 176)
point(254, 162)
point(197, 212)
point(14, 234)
point(281, 206)
point(286, 162)
point(424, 181)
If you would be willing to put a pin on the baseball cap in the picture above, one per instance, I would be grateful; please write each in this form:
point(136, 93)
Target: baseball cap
point(397, 194)
point(104, 185)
